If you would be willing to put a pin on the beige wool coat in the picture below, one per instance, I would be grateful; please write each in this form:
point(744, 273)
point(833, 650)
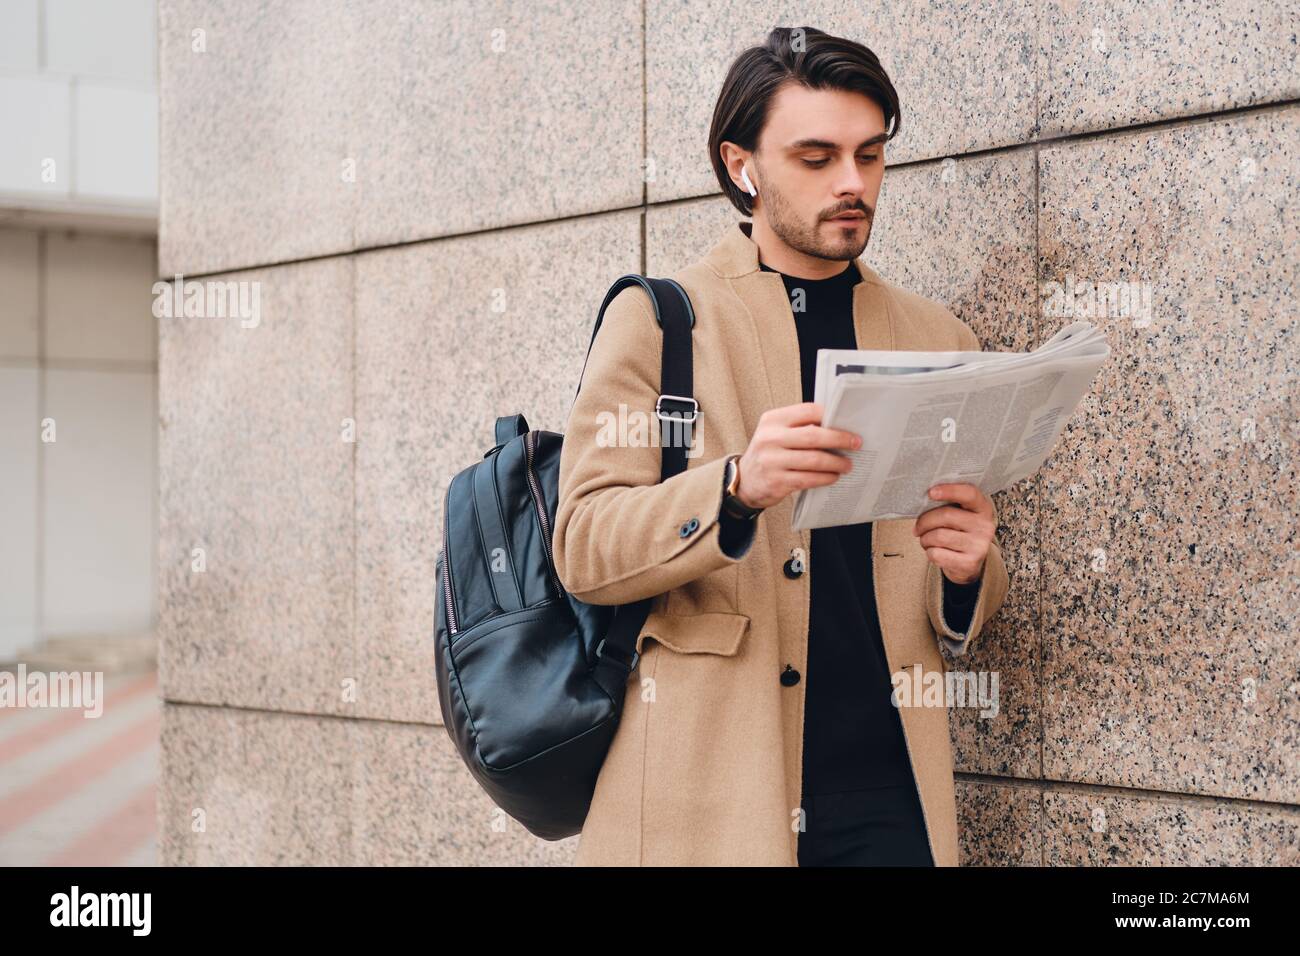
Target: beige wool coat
point(705, 768)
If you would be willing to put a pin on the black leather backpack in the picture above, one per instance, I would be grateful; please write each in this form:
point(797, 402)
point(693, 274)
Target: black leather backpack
point(531, 681)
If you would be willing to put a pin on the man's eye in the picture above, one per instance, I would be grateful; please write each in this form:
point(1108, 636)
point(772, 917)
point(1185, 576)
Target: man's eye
point(819, 163)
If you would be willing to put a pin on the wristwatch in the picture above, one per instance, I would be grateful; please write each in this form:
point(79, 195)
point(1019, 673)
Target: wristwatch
point(730, 502)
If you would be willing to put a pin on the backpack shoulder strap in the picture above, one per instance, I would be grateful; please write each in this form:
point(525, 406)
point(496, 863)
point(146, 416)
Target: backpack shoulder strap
point(676, 407)
point(677, 411)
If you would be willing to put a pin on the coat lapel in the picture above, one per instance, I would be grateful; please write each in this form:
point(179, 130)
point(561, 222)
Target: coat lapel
point(873, 318)
point(735, 257)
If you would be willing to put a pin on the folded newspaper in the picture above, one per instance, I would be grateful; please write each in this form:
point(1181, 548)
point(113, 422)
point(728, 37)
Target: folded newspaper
point(928, 418)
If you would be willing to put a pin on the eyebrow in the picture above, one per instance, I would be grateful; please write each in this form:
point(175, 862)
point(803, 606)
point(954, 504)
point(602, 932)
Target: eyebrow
point(827, 144)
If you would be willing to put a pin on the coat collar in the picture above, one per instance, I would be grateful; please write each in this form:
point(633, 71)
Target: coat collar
point(735, 258)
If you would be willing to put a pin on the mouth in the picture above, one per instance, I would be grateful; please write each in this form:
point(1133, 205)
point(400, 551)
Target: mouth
point(849, 218)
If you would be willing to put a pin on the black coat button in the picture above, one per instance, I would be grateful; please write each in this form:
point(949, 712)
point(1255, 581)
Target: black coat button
point(795, 566)
point(789, 676)
point(689, 527)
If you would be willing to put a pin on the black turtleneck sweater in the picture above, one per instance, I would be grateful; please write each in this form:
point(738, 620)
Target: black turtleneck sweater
point(853, 735)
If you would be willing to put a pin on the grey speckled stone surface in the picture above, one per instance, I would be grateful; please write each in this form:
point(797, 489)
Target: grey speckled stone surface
point(1169, 558)
point(254, 470)
point(252, 788)
point(1086, 829)
point(450, 335)
point(1000, 824)
point(963, 71)
point(681, 233)
point(253, 132)
point(490, 114)
point(460, 117)
point(1104, 64)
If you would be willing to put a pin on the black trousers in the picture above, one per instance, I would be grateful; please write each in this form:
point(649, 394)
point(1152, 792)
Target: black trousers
point(883, 826)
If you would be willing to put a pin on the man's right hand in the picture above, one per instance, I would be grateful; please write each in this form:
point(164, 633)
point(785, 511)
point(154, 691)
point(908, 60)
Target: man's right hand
point(789, 452)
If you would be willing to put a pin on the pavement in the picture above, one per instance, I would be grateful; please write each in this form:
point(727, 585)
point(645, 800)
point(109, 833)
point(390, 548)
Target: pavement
point(79, 791)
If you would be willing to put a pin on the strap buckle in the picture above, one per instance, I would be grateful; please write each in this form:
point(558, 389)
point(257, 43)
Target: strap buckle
point(685, 400)
point(600, 654)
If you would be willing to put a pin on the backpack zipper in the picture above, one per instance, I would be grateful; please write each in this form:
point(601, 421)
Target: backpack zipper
point(449, 595)
point(535, 487)
point(529, 440)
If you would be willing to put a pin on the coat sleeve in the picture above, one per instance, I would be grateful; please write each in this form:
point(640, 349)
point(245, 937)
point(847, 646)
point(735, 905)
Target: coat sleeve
point(993, 582)
point(620, 534)
point(993, 591)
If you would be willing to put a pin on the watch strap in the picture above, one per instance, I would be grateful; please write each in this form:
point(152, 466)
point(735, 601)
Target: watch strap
point(732, 504)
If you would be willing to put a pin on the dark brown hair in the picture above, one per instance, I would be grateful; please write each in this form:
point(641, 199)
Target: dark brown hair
point(801, 54)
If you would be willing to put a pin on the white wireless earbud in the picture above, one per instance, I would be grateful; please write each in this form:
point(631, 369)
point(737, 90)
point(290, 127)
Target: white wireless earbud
point(744, 178)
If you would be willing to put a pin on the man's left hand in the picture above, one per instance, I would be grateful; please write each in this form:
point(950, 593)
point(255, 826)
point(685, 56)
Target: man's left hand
point(957, 536)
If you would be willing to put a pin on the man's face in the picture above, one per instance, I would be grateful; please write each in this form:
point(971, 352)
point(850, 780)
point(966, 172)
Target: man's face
point(821, 154)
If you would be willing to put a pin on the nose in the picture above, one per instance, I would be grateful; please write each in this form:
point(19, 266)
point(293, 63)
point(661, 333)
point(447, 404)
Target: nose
point(851, 182)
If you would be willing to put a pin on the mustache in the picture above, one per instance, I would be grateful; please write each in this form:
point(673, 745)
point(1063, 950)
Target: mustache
point(867, 211)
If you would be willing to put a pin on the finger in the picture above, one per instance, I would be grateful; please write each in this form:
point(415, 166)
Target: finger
point(818, 436)
point(961, 493)
point(949, 539)
point(946, 558)
point(790, 459)
point(947, 516)
point(809, 479)
point(805, 413)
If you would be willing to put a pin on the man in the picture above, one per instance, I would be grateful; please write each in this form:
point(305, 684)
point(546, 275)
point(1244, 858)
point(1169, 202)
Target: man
point(761, 729)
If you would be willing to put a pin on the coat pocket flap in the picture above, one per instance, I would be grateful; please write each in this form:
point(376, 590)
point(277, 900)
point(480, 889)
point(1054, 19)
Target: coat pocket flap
point(715, 632)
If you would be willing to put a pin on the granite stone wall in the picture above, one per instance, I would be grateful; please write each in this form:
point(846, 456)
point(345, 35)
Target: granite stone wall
point(427, 202)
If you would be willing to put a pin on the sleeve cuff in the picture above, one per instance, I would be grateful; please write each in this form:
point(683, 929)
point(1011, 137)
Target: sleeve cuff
point(959, 603)
point(735, 535)
point(677, 525)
